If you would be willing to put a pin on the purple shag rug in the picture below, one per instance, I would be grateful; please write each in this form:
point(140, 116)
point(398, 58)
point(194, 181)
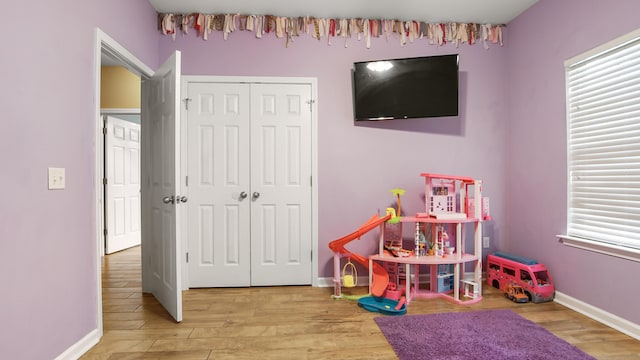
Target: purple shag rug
point(485, 334)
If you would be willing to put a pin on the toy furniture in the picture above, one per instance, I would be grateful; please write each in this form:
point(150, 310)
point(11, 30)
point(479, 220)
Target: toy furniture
point(378, 277)
point(452, 204)
point(349, 275)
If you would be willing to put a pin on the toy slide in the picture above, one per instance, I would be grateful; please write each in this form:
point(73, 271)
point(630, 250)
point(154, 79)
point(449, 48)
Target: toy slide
point(380, 275)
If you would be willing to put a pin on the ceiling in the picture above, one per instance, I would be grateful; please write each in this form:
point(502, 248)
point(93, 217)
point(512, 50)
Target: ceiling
point(470, 11)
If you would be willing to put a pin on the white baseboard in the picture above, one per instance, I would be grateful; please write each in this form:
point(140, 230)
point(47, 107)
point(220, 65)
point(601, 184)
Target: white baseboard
point(364, 280)
point(328, 281)
point(597, 314)
point(78, 349)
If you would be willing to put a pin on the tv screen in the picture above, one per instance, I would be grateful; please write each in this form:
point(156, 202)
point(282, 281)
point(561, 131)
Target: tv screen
point(406, 88)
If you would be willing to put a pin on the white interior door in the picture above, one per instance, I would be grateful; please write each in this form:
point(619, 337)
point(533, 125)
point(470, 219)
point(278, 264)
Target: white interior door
point(122, 160)
point(161, 248)
point(249, 182)
point(281, 184)
point(218, 172)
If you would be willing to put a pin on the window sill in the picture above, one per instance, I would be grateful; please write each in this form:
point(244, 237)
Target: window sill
point(608, 249)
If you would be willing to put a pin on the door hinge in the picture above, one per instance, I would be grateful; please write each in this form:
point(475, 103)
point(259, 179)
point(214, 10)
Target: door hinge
point(186, 180)
point(311, 102)
point(105, 232)
point(187, 257)
point(310, 180)
point(186, 103)
point(104, 181)
point(104, 130)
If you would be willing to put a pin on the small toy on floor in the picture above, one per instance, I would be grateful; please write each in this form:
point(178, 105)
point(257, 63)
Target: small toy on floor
point(383, 305)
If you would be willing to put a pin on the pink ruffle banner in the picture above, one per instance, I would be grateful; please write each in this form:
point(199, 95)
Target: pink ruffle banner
point(330, 29)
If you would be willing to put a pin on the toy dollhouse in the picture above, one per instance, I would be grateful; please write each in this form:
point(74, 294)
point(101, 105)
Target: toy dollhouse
point(439, 244)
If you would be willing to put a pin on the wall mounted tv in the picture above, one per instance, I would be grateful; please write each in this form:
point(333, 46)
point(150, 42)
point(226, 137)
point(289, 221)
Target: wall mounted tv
point(417, 87)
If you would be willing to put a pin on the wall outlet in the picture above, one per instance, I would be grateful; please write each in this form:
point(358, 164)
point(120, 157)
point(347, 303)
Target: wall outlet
point(56, 178)
point(485, 242)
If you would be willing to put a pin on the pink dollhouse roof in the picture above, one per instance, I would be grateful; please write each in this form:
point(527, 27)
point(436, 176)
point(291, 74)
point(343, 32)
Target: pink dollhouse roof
point(439, 176)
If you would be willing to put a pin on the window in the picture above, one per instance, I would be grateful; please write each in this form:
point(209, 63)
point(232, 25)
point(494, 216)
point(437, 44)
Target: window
point(508, 271)
point(542, 278)
point(603, 144)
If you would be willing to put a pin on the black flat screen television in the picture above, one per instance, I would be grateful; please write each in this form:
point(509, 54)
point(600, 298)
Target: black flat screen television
point(406, 88)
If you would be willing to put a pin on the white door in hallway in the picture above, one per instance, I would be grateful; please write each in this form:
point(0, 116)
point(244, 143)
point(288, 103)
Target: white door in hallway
point(122, 160)
point(249, 183)
point(161, 246)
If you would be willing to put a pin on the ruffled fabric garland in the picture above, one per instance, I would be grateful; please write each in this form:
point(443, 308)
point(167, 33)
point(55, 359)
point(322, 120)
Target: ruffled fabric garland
point(318, 28)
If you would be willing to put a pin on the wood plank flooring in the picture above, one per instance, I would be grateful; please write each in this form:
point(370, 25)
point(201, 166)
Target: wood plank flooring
point(296, 322)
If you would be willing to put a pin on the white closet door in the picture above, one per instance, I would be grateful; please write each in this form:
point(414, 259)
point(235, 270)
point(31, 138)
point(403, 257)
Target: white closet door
point(218, 173)
point(280, 184)
point(122, 159)
point(249, 183)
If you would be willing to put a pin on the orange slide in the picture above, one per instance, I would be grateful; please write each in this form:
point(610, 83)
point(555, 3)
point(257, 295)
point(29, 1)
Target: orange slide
point(380, 275)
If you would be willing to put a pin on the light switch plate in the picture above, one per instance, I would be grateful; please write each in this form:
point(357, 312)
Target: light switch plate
point(56, 178)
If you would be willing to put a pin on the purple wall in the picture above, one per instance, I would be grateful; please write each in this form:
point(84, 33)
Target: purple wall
point(358, 165)
point(47, 247)
point(540, 41)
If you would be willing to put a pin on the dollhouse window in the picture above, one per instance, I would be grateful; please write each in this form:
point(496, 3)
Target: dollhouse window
point(603, 147)
point(508, 271)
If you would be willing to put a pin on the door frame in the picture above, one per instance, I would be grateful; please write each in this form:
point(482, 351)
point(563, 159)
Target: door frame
point(104, 44)
point(313, 82)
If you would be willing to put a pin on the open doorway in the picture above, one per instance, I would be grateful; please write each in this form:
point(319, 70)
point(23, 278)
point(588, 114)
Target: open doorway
point(109, 52)
point(161, 248)
point(120, 112)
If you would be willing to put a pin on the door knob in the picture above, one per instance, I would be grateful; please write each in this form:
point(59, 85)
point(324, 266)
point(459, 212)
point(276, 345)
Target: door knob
point(182, 199)
point(243, 195)
point(256, 195)
point(168, 199)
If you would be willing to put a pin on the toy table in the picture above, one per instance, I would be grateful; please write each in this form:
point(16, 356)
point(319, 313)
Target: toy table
point(472, 291)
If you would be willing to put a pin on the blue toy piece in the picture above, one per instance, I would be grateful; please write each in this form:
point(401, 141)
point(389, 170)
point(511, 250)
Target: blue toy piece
point(383, 305)
point(516, 258)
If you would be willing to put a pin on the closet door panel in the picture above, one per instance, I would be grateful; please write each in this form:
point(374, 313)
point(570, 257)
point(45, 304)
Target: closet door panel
point(218, 170)
point(281, 184)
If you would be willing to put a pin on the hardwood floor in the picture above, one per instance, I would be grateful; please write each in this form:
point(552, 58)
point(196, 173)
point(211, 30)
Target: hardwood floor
point(297, 322)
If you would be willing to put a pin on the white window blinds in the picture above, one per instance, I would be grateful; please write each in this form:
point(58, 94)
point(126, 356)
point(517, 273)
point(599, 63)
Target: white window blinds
point(603, 140)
